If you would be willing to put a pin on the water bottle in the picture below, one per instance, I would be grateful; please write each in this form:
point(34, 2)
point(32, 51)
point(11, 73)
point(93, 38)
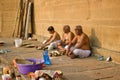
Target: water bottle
point(46, 57)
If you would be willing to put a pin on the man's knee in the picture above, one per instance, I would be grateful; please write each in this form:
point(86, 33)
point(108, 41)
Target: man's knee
point(76, 52)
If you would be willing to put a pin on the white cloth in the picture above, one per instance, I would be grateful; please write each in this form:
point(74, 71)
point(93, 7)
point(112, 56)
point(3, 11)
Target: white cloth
point(81, 53)
point(53, 44)
point(44, 42)
point(66, 46)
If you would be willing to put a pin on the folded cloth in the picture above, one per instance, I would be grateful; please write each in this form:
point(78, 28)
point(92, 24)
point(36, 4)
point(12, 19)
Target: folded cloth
point(50, 73)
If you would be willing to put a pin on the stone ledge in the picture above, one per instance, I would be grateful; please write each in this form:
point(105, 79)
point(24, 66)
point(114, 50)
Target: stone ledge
point(100, 51)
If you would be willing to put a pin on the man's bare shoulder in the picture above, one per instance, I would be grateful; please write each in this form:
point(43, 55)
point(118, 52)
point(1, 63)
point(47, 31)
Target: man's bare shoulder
point(55, 33)
point(71, 33)
point(84, 35)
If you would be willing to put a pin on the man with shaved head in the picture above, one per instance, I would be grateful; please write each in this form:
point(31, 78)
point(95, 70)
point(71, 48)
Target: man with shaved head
point(80, 45)
point(66, 38)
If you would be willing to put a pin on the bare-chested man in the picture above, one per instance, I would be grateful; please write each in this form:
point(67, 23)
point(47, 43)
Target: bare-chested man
point(53, 40)
point(66, 38)
point(80, 45)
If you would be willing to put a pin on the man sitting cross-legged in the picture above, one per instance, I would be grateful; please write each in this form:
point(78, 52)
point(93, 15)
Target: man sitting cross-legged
point(66, 39)
point(80, 45)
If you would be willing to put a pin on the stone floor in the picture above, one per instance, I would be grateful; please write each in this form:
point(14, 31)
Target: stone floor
point(73, 69)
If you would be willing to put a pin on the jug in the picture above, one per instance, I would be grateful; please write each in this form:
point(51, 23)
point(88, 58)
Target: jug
point(18, 42)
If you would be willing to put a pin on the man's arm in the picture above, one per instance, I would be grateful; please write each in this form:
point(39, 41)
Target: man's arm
point(63, 37)
point(52, 38)
point(46, 43)
point(48, 39)
point(68, 52)
point(72, 42)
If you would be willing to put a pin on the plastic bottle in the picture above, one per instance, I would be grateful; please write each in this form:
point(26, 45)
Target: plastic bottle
point(46, 57)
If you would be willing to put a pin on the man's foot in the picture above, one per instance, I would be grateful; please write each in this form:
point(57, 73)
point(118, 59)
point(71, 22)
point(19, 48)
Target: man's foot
point(63, 52)
point(45, 48)
point(72, 56)
point(69, 54)
point(38, 48)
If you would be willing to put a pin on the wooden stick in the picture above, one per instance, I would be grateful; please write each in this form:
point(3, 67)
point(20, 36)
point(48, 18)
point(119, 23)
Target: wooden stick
point(16, 21)
point(27, 20)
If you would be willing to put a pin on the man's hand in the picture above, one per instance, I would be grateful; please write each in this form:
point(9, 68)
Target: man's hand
point(68, 52)
point(43, 45)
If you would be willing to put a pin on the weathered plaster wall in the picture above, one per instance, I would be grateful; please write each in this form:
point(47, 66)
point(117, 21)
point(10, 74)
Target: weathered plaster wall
point(0, 21)
point(0, 17)
point(100, 20)
point(9, 10)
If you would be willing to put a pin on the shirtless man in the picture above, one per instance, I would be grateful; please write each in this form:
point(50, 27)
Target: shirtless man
point(53, 40)
point(66, 39)
point(80, 45)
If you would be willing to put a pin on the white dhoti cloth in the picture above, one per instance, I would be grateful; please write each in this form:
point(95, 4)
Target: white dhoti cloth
point(53, 44)
point(80, 53)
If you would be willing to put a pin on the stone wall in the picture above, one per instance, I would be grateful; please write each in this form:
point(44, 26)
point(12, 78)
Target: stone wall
point(9, 14)
point(0, 22)
point(100, 20)
point(0, 17)
point(10, 11)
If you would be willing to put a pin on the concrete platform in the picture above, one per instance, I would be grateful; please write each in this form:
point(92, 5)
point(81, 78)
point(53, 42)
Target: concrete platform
point(73, 69)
